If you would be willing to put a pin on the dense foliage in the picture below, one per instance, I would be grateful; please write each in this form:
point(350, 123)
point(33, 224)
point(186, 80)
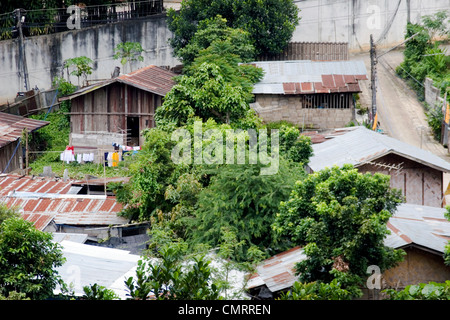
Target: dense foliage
point(421, 291)
point(173, 278)
point(425, 58)
point(339, 216)
point(28, 260)
point(270, 23)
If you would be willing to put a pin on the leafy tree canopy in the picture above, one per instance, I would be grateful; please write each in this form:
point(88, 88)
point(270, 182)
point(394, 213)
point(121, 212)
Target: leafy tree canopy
point(28, 258)
point(340, 216)
point(270, 23)
point(215, 32)
point(216, 90)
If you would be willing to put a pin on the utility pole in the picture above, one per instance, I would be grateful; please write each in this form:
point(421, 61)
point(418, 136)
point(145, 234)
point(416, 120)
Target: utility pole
point(373, 79)
point(20, 16)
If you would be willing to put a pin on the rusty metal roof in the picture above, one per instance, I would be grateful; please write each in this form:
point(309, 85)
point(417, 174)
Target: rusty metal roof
point(277, 272)
point(422, 226)
point(11, 127)
point(153, 79)
point(53, 197)
point(309, 77)
point(39, 220)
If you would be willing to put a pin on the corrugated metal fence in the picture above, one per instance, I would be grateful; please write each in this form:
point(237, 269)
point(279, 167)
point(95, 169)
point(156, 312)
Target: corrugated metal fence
point(324, 51)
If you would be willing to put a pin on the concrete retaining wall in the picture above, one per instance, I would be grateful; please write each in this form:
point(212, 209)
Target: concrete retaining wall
point(45, 55)
point(353, 21)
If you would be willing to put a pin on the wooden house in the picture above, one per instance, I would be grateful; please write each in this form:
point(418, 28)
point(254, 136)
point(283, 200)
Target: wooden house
point(11, 128)
point(421, 231)
point(118, 109)
point(419, 174)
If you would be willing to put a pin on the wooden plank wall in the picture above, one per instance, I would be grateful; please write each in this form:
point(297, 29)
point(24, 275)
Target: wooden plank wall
point(319, 51)
point(418, 183)
point(6, 153)
point(106, 109)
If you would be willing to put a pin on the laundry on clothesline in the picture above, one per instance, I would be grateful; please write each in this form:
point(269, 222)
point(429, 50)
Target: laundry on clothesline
point(69, 155)
point(126, 148)
point(112, 159)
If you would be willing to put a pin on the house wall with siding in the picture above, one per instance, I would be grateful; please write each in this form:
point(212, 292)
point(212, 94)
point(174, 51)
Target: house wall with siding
point(418, 266)
point(418, 183)
point(6, 153)
point(275, 107)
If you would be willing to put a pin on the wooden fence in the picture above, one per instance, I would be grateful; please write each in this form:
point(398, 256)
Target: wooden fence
point(322, 51)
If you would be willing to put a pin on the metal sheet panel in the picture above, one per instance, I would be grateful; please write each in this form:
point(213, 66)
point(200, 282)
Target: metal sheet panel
point(331, 74)
point(11, 127)
point(359, 144)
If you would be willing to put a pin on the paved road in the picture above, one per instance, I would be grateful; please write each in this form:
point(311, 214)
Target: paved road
point(400, 113)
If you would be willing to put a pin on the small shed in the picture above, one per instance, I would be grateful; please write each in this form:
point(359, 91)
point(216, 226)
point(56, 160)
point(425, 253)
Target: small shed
point(118, 109)
point(416, 172)
point(310, 94)
point(11, 128)
point(423, 232)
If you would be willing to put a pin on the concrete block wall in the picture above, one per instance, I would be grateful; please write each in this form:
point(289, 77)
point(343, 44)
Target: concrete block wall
point(432, 94)
point(274, 108)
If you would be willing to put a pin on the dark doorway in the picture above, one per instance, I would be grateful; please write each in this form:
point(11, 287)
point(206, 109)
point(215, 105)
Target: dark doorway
point(133, 131)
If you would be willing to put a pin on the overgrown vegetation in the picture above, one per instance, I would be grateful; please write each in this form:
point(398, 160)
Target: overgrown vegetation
point(339, 217)
point(421, 291)
point(270, 24)
point(28, 259)
point(424, 57)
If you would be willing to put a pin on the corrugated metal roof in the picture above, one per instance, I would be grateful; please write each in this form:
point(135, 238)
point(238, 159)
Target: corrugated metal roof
point(410, 225)
point(11, 127)
point(278, 271)
point(39, 220)
point(306, 76)
point(360, 144)
point(51, 197)
point(88, 264)
point(419, 225)
point(151, 78)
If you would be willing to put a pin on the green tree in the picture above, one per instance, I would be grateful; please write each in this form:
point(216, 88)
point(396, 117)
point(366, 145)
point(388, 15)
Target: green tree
point(173, 278)
point(151, 171)
point(244, 202)
point(436, 23)
point(81, 66)
point(447, 247)
point(215, 32)
point(28, 260)
point(7, 213)
point(270, 23)
point(205, 93)
point(342, 287)
point(128, 52)
point(340, 216)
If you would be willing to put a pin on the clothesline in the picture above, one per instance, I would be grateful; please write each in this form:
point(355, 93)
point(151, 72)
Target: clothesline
point(111, 158)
